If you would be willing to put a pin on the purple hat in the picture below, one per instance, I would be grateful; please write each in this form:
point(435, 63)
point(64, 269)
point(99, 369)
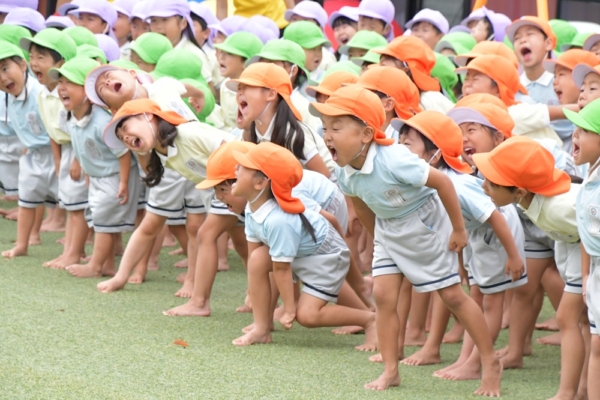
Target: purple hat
point(25, 17)
point(459, 28)
point(434, 17)
point(139, 10)
point(378, 9)
point(267, 24)
point(170, 8)
point(7, 5)
point(309, 9)
point(499, 23)
point(254, 27)
point(124, 6)
point(101, 8)
point(109, 46)
point(204, 12)
point(65, 8)
point(346, 11)
point(54, 21)
point(474, 16)
point(229, 25)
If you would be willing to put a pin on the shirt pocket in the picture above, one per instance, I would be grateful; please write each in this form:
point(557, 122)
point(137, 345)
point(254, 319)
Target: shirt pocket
point(594, 217)
point(395, 197)
point(34, 123)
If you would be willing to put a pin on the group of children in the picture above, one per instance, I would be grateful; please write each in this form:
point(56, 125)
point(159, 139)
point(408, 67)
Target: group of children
point(380, 177)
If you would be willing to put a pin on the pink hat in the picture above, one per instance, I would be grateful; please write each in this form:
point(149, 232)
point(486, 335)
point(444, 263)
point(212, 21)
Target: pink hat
point(101, 8)
point(255, 28)
point(499, 23)
point(346, 11)
point(109, 47)
point(54, 21)
point(124, 7)
point(434, 17)
point(474, 16)
point(309, 9)
point(378, 9)
point(25, 17)
point(7, 5)
point(229, 25)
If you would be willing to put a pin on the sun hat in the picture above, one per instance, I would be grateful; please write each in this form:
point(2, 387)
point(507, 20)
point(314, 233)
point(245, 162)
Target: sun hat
point(581, 71)
point(8, 50)
point(151, 46)
point(92, 52)
point(370, 58)
point(306, 34)
point(499, 23)
point(254, 27)
point(357, 101)
point(434, 17)
point(13, 34)
point(58, 22)
point(331, 83)
point(268, 25)
point(536, 22)
point(139, 10)
point(65, 8)
point(7, 5)
point(577, 42)
point(81, 35)
point(179, 64)
point(459, 42)
point(475, 98)
point(379, 9)
point(486, 48)
point(570, 58)
point(26, 17)
point(587, 118)
point(346, 11)
point(283, 50)
point(209, 98)
point(590, 41)
point(54, 39)
point(242, 44)
point(365, 40)
point(170, 8)
point(221, 164)
point(92, 78)
point(229, 25)
point(443, 71)
point(109, 46)
point(308, 9)
point(524, 163)
point(486, 114)
point(474, 16)
point(124, 7)
point(75, 70)
point(101, 8)
point(564, 31)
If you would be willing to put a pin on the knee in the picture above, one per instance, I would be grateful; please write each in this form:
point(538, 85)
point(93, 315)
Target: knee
point(306, 317)
point(453, 296)
point(260, 261)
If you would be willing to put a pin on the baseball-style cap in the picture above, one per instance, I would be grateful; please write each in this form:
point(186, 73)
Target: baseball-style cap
point(229, 25)
point(349, 12)
point(536, 22)
point(101, 8)
point(54, 39)
point(308, 9)
point(151, 46)
point(564, 31)
point(209, 98)
point(359, 102)
point(434, 17)
point(475, 15)
point(91, 52)
point(13, 34)
point(81, 35)
point(221, 163)
point(7, 5)
point(109, 46)
point(370, 58)
point(487, 48)
point(581, 71)
point(486, 114)
point(75, 70)
point(331, 83)
point(26, 17)
point(269, 76)
point(179, 64)
point(443, 132)
point(170, 8)
point(475, 98)
point(590, 41)
point(282, 50)
point(524, 163)
point(499, 23)
point(366, 40)
point(243, 44)
point(378, 9)
point(443, 71)
point(137, 107)
point(65, 8)
point(570, 58)
point(124, 7)
point(8, 50)
point(55, 21)
point(587, 118)
point(306, 34)
point(419, 57)
point(139, 10)
point(577, 42)
point(459, 42)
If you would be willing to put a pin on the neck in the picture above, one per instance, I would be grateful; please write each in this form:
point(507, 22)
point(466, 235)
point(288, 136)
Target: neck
point(52, 86)
point(177, 40)
point(359, 161)
point(259, 202)
point(122, 41)
point(82, 110)
point(526, 201)
point(534, 73)
point(141, 92)
point(388, 119)
point(265, 120)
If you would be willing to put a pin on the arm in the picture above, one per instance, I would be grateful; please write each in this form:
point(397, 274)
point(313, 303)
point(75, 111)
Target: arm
point(222, 9)
point(333, 221)
point(365, 215)
point(585, 270)
point(124, 169)
point(282, 272)
point(75, 170)
point(556, 112)
point(318, 165)
point(289, 4)
point(514, 264)
point(56, 153)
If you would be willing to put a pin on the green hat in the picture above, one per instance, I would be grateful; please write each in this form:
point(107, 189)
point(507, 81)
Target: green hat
point(370, 58)
point(508, 42)
point(13, 34)
point(282, 50)
point(179, 64)
point(209, 99)
point(53, 39)
point(346, 66)
point(124, 64)
point(8, 50)
point(443, 70)
point(151, 46)
point(366, 40)
point(93, 52)
point(242, 44)
point(81, 35)
point(459, 42)
point(577, 42)
point(306, 34)
point(587, 118)
point(75, 70)
point(564, 31)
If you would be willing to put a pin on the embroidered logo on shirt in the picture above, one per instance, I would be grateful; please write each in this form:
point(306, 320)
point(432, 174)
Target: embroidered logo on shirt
point(34, 123)
point(395, 197)
point(92, 150)
point(594, 215)
point(194, 166)
point(183, 111)
point(62, 120)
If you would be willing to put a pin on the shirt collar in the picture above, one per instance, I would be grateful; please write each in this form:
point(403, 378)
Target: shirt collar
point(544, 80)
point(182, 42)
point(263, 211)
point(367, 166)
point(269, 132)
point(171, 152)
point(81, 123)
point(535, 208)
point(44, 92)
point(27, 89)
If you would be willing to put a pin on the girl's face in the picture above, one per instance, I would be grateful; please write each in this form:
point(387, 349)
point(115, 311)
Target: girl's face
point(92, 22)
point(343, 33)
point(171, 27)
point(321, 98)
point(138, 27)
point(144, 66)
point(313, 58)
point(230, 65)
point(201, 35)
point(247, 184)
point(12, 76)
point(590, 90)
point(116, 87)
point(412, 139)
point(426, 32)
point(252, 102)
point(476, 82)
point(122, 27)
point(586, 146)
point(355, 52)
point(480, 30)
point(346, 139)
point(372, 24)
point(137, 132)
point(564, 87)
point(477, 139)
point(500, 195)
point(71, 94)
point(235, 204)
point(40, 64)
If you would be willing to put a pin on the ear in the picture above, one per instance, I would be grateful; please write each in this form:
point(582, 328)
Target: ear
point(183, 23)
point(389, 104)
point(548, 45)
point(271, 95)
point(367, 134)
point(521, 193)
point(294, 73)
point(498, 138)
point(386, 30)
point(23, 65)
point(151, 117)
point(260, 182)
point(60, 63)
point(435, 159)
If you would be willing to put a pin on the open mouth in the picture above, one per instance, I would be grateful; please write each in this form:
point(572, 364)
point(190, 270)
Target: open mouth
point(117, 87)
point(136, 143)
point(10, 87)
point(65, 99)
point(468, 152)
point(526, 53)
point(229, 207)
point(344, 40)
point(576, 150)
point(333, 152)
point(559, 94)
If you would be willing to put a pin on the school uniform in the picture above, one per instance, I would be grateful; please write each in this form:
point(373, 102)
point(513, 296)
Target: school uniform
point(391, 133)
point(301, 104)
point(412, 229)
point(229, 107)
point(125, 51)
point(533, 121)
point(185, 43)
point(11, 150)
point(435, 101)
point(328, 60)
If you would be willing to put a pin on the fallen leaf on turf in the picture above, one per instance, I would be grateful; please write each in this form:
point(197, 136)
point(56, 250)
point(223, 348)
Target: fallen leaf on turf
point(181, 342)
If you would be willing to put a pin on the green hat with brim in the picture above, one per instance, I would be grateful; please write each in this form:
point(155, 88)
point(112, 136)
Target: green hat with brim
point(13, 34)
point(53, 39)
point(443, 70)
point(306, 34)
point(209, 99)
point(370, 58)
point(564, 31)
point(93, 52)
point(282, 50)
point(577, 42)
point(459, 42)
point(8, 50)
point(365, 40)
point(75, 70)
point(508, 43)
point(179, 64)
point(125, 64)
point(587, 118)
point(151, 46)
point(345, 66)
point(81, 35)
point(242, 44)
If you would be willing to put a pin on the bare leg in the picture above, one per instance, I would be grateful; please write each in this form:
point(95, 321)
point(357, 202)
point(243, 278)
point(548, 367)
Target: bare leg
point(103, 248)
point(508, 296)
point(34, 237)
point(24, 225)
point(192, 225)
point(222, 247)
point(455, 334)
point(419, 306)
point(66, 243)
point(78, 229)
point(594, 369)
point(56, 220)
point(582, 391)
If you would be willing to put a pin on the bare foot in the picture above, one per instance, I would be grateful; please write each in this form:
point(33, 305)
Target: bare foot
point(413, 339)
point(551, 340)
point(548, 325)
point(490, 381)
point(371, 343)
point(248, 328)
point(136, 278)
point(14, 252)
point(384, 382)
point(153, 264)
point(223, 266)
point(87, 259)
point(49, 264)
point(510, 362)
point(189, 309)
point(253, 337)
point(169, 241)
point(377, 358)
point(455, 334)
point(441, 373)
point(65, 262)
point(186, 290)
point(348, 330)
point(35, 240)
point(502, 352)
point(278, 313)
point(243, 309)
point(181, 264)
point(83, 271)
point(176, 252)
point(109, 271)
point(62, 240)
point(465, 372)
point(111, 285)
point(423, 357)
point(181, 277)
point(53, 227)
point(12, 215)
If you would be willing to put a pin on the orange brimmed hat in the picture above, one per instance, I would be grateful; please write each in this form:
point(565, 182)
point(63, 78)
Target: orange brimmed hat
point(536, 22)
point(359, 102)
point(281, 167)
point(137, 107)
point(269, 76)
point(395, 84)
point(570, 58)
point(475, 98)
point(501, 71)
point(486, 114)
point(331, 83)
point(443, 132)
point(419, 57)
point(221, 164)
point(486, 48)
point(524, 163)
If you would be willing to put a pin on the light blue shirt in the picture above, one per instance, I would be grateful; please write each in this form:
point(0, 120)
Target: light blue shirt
point(5, 128)
point(24, 116)
point(391, 181)
point(315, 190)
point(283, 232)
point(588, 214)
point(95, 157)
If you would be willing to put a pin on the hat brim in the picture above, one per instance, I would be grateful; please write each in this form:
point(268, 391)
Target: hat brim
point(86, 10)
point(109, 136)
point(461, 115)
point(320, 109)
point(338, 14)
point(234, 83)
point(489, 172)
point(512, 28)
point(243, 160)
point(312, 91)
point(371, 14)
point(457, 164)
point(550, 65)
point(209, 183)
point(141, 53)
point(580, 72)
point(56, 73)
point(579, 121)
point(591, 41)
point(410, 24)
point(65, 8)
point(90, 83)
point(230, 49)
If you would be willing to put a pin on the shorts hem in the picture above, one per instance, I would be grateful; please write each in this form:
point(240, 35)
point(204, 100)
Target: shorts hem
point(319, 293)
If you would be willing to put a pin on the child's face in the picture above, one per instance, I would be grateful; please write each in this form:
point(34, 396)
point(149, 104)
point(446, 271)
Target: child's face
point(143, 65)
point(372, 24)
point(412, 139)
point(220, 38)
point(230, 65)
point(426, 32)
point(297, 17)
point(596, 48)
point(590, 90)
point(138, 27)
point(201, 35)
point(501, 196)
point(171, 27)
point(343, 33)
point(40, 64)
point(480, 30)
point(476, 82)
point(586, 146)
point(252, 102)
point(344, 138)
point(2, 16)
point(313, 58)
point(477, 139)
point(137, 134)
point(564, 87)
point(235, 204)
point(246, 183)
point(92, 22)
point(355, 52)
point(71, 95)
point(321, 98)
point(122, 27)
point(12, 76)
point(531, 46)
point(389, 61)
point(116, 87)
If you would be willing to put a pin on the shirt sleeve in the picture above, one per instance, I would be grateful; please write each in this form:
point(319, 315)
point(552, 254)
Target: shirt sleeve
point(405, 166)
point(283, 240)
point(310, 146)
point(250, 235)
point(473, 200)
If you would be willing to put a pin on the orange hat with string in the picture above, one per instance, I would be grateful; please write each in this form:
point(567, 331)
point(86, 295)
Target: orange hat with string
point(536, 22)
point(221, 164)
point(331, 83)
point(475, 98)
point(443, 132)
point(359, 102)
point(524, 163)
point(270, 76)
point(486, 114)
point(501, 71)
point(570, 58)
point(418, 56)
point(281, 167)
point(137, 107)
point(402, 90)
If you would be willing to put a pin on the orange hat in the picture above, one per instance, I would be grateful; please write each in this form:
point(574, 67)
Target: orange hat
point(356, 101)
point(486, 48)
point(270, 76)
point(539, 23)
point(419, 57)
point(403, 90)
point(486, 114)
point(524, 163)
point(570, 58)
point(331, 83)
point(221, 164)
point(137, 107)
point(281, 167)
point(443, 132)
point(475, 98)
point(501, 71)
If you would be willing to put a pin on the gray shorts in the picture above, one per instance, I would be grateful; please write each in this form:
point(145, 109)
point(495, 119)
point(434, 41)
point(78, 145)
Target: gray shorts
point(72, 195)
point(417, 246)
point(143, 198)
point(568, 261)
point(537, 243)
point(38, 184)
point(219, 208)
point(338, 207)
point(11, 150)
point(593, 295)
point(108, 216)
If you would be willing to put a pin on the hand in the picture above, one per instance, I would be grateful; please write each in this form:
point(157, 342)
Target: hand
point(57, 168)
point(458, 240)
point(515, 267)
point(287, 320)
point(584, 281)
point(123, 193)
point(354, 225)
point(75, 171)
point(197, 103)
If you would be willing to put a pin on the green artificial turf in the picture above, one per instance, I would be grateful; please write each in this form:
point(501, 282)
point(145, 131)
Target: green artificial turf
point(61, 339)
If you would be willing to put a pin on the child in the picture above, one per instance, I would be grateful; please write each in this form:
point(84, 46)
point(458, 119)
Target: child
point(361, 43)
point(122, 27)
point(344, 23)
point(92, 52)
point(522, 171)
point(313, 42)
point(27, 18)
point(81, 35)
point(443, 71)
point(368, 59)
point(491, 27)
point(404, 209)
point(99, 16)
point(564, 32)
point(138, 19)
point(429, 26)
point(377, 16)
point(592, 43)
point(109, 46)
point(588, 79)
point(147, 49)
point(330, 83)
point(307, 11)
point(226, 27)
point(202, 17)
point(456, 43)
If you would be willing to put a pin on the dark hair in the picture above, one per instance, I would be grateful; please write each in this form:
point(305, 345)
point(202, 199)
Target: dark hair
point(339, 21)
point(189, 32)
point(430, 147)
point(437, 30)
point(16, 60)
point(199, 20)
point(489, 28)
point(576, 179)
point(292, 139)
point(56, 57)
point(87, 112)
point(511, 189)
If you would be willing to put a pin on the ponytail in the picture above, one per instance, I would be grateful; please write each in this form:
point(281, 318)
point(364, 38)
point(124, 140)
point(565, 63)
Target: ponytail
point(307, 225)
point(189, 33)
point(167, 133)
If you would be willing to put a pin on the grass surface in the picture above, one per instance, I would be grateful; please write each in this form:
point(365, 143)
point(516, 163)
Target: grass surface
point(61, 339)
